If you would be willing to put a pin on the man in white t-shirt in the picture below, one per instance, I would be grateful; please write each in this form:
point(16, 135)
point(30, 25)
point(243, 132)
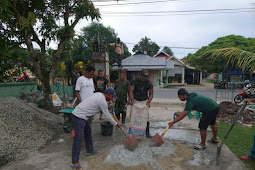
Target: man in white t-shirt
point(91, 106)
point(85, 85)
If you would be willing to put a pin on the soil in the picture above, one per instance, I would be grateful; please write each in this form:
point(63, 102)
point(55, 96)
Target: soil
point(228, 111)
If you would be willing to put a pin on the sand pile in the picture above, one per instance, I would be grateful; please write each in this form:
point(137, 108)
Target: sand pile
point(24, 128)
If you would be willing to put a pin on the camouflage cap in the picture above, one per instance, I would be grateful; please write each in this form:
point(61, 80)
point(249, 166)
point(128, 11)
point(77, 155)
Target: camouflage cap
point(145, 73)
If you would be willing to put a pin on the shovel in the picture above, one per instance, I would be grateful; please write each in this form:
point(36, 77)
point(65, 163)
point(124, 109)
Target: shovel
point(157, 140)
point(131, 142)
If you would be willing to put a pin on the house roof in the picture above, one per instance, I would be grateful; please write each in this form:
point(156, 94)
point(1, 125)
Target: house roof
point(173, 57)
point(140, 61)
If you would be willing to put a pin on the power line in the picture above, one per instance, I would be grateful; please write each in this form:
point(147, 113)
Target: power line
point(189, 48)
point(138, 3)
point(167, 14)
point(184, 11)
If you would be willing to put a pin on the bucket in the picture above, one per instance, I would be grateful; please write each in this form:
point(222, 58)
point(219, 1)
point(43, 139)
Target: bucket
point(106, 128)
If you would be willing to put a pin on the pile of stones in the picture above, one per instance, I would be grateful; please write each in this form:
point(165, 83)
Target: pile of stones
point(25, 128)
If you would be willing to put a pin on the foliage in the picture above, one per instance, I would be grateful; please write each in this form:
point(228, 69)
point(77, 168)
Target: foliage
point(244, 60)
point(239, 141)
point(34, 24)
point(168, 50)
point(106, 35)
point(145, 44)
point(204, 60)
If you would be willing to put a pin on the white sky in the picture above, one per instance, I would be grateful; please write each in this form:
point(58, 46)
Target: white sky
point(177, 30)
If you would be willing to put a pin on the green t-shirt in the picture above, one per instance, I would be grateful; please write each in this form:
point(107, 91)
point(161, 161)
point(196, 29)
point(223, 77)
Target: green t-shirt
point(122, 88)
point(200, 103)
point(141, 91)
point(100, 84)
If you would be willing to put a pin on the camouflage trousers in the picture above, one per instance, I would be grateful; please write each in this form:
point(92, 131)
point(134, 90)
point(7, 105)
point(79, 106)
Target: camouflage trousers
point(121, 108)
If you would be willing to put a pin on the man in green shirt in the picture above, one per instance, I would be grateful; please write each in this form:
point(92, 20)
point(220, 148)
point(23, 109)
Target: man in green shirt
point(122, 91)
point(209, 109)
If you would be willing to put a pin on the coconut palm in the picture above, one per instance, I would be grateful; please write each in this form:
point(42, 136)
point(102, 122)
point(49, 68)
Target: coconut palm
point(245, 60)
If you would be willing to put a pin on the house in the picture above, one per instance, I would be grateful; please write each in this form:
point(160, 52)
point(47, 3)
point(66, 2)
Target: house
point(181, 74)
point(139, 61)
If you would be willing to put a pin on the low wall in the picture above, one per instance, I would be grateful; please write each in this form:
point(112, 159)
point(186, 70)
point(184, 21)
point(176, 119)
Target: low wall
point(16, 89)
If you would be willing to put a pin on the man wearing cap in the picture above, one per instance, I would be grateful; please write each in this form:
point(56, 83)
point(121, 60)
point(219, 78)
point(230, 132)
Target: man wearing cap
point(209, 109)
point(87, 108)
point(141, 92)
point(122, 91)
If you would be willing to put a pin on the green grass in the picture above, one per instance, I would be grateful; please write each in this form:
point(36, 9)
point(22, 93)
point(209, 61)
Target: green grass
point(209, 81)
point(239, 141)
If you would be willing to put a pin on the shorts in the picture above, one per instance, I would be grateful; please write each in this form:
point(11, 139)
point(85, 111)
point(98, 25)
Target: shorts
point(208, 118)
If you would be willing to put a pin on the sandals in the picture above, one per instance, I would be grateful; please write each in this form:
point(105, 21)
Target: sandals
point(76, 167)
point(92, 153)
point(199, 147)
point(213, 141)
point(246, 158)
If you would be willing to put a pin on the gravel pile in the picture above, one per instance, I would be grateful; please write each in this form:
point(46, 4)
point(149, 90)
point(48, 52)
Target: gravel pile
point(24, 128)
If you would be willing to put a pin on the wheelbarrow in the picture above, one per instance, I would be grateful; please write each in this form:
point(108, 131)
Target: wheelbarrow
point(68, 124)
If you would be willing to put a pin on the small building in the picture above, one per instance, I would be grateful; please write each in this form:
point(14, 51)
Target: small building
point(139, 61)
point(181, 74)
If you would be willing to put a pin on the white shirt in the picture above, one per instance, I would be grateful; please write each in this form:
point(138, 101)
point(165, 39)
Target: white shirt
point(85, 87)
point(91, 106)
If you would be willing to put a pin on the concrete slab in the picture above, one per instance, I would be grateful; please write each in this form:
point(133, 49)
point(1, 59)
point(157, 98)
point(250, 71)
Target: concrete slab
point(176, 153)
point(178, 140)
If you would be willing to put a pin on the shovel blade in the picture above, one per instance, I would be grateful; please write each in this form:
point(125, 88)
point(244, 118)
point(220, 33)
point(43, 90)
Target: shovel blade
point(159, 142)
point(131, 143)
point(155, 138)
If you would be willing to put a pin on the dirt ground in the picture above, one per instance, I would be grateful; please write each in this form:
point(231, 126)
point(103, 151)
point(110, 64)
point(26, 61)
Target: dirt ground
point(228, 111)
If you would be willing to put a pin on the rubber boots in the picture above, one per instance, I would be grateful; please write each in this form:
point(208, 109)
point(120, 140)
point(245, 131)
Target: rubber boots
point(148, 135)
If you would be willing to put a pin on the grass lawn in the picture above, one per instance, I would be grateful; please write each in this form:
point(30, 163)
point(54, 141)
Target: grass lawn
point(209, 81)
point(239, 141)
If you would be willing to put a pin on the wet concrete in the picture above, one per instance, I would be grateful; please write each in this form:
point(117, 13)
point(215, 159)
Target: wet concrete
point(57, 155)
point(142, 155)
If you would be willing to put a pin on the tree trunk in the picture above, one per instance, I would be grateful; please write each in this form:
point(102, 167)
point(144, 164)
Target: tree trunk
point(47, 94)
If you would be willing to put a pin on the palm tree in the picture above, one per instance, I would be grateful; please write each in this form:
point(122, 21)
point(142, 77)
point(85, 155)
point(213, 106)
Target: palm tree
point(244, 60)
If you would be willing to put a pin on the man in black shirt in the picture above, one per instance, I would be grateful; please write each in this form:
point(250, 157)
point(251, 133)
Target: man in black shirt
point(141, 91)
point(101, 83)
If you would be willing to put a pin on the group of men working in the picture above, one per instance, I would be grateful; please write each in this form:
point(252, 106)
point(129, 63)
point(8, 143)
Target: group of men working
point(139, 91)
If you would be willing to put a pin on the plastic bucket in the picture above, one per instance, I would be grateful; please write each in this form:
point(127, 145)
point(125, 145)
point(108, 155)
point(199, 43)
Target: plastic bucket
point(106, 128)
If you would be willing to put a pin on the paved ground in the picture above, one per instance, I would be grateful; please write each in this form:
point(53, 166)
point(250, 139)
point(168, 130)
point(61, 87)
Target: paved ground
point(179, 140)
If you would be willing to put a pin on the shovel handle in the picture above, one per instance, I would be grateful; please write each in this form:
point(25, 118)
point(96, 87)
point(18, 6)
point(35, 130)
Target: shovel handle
point(165, 131)
point(121, 128)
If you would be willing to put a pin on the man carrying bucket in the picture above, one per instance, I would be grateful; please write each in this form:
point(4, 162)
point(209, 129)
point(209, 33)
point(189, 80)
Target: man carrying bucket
point(89, 107)
point(141, 94)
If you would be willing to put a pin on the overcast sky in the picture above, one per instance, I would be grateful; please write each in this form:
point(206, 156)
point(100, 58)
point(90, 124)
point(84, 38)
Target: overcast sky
point(191, 30)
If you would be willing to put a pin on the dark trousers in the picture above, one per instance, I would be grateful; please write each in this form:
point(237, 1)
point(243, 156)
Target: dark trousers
point(81, 129)
point(120, 108)
point(119, 60)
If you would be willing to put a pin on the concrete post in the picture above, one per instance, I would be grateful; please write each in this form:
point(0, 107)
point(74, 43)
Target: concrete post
point(201, 77)
point(166, 79)
point(183, 74)
point(158, 79)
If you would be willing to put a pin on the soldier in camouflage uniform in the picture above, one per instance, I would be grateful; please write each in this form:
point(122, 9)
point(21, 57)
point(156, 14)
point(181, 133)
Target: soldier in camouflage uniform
point(122, 91)
point(141, 91)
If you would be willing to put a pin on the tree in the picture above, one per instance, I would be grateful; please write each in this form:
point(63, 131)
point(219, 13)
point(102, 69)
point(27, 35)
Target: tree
point(205, 61)
point(34, 24)
point(244, 60)
point(82, 50)
point(168, 50)
point(145, 44)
